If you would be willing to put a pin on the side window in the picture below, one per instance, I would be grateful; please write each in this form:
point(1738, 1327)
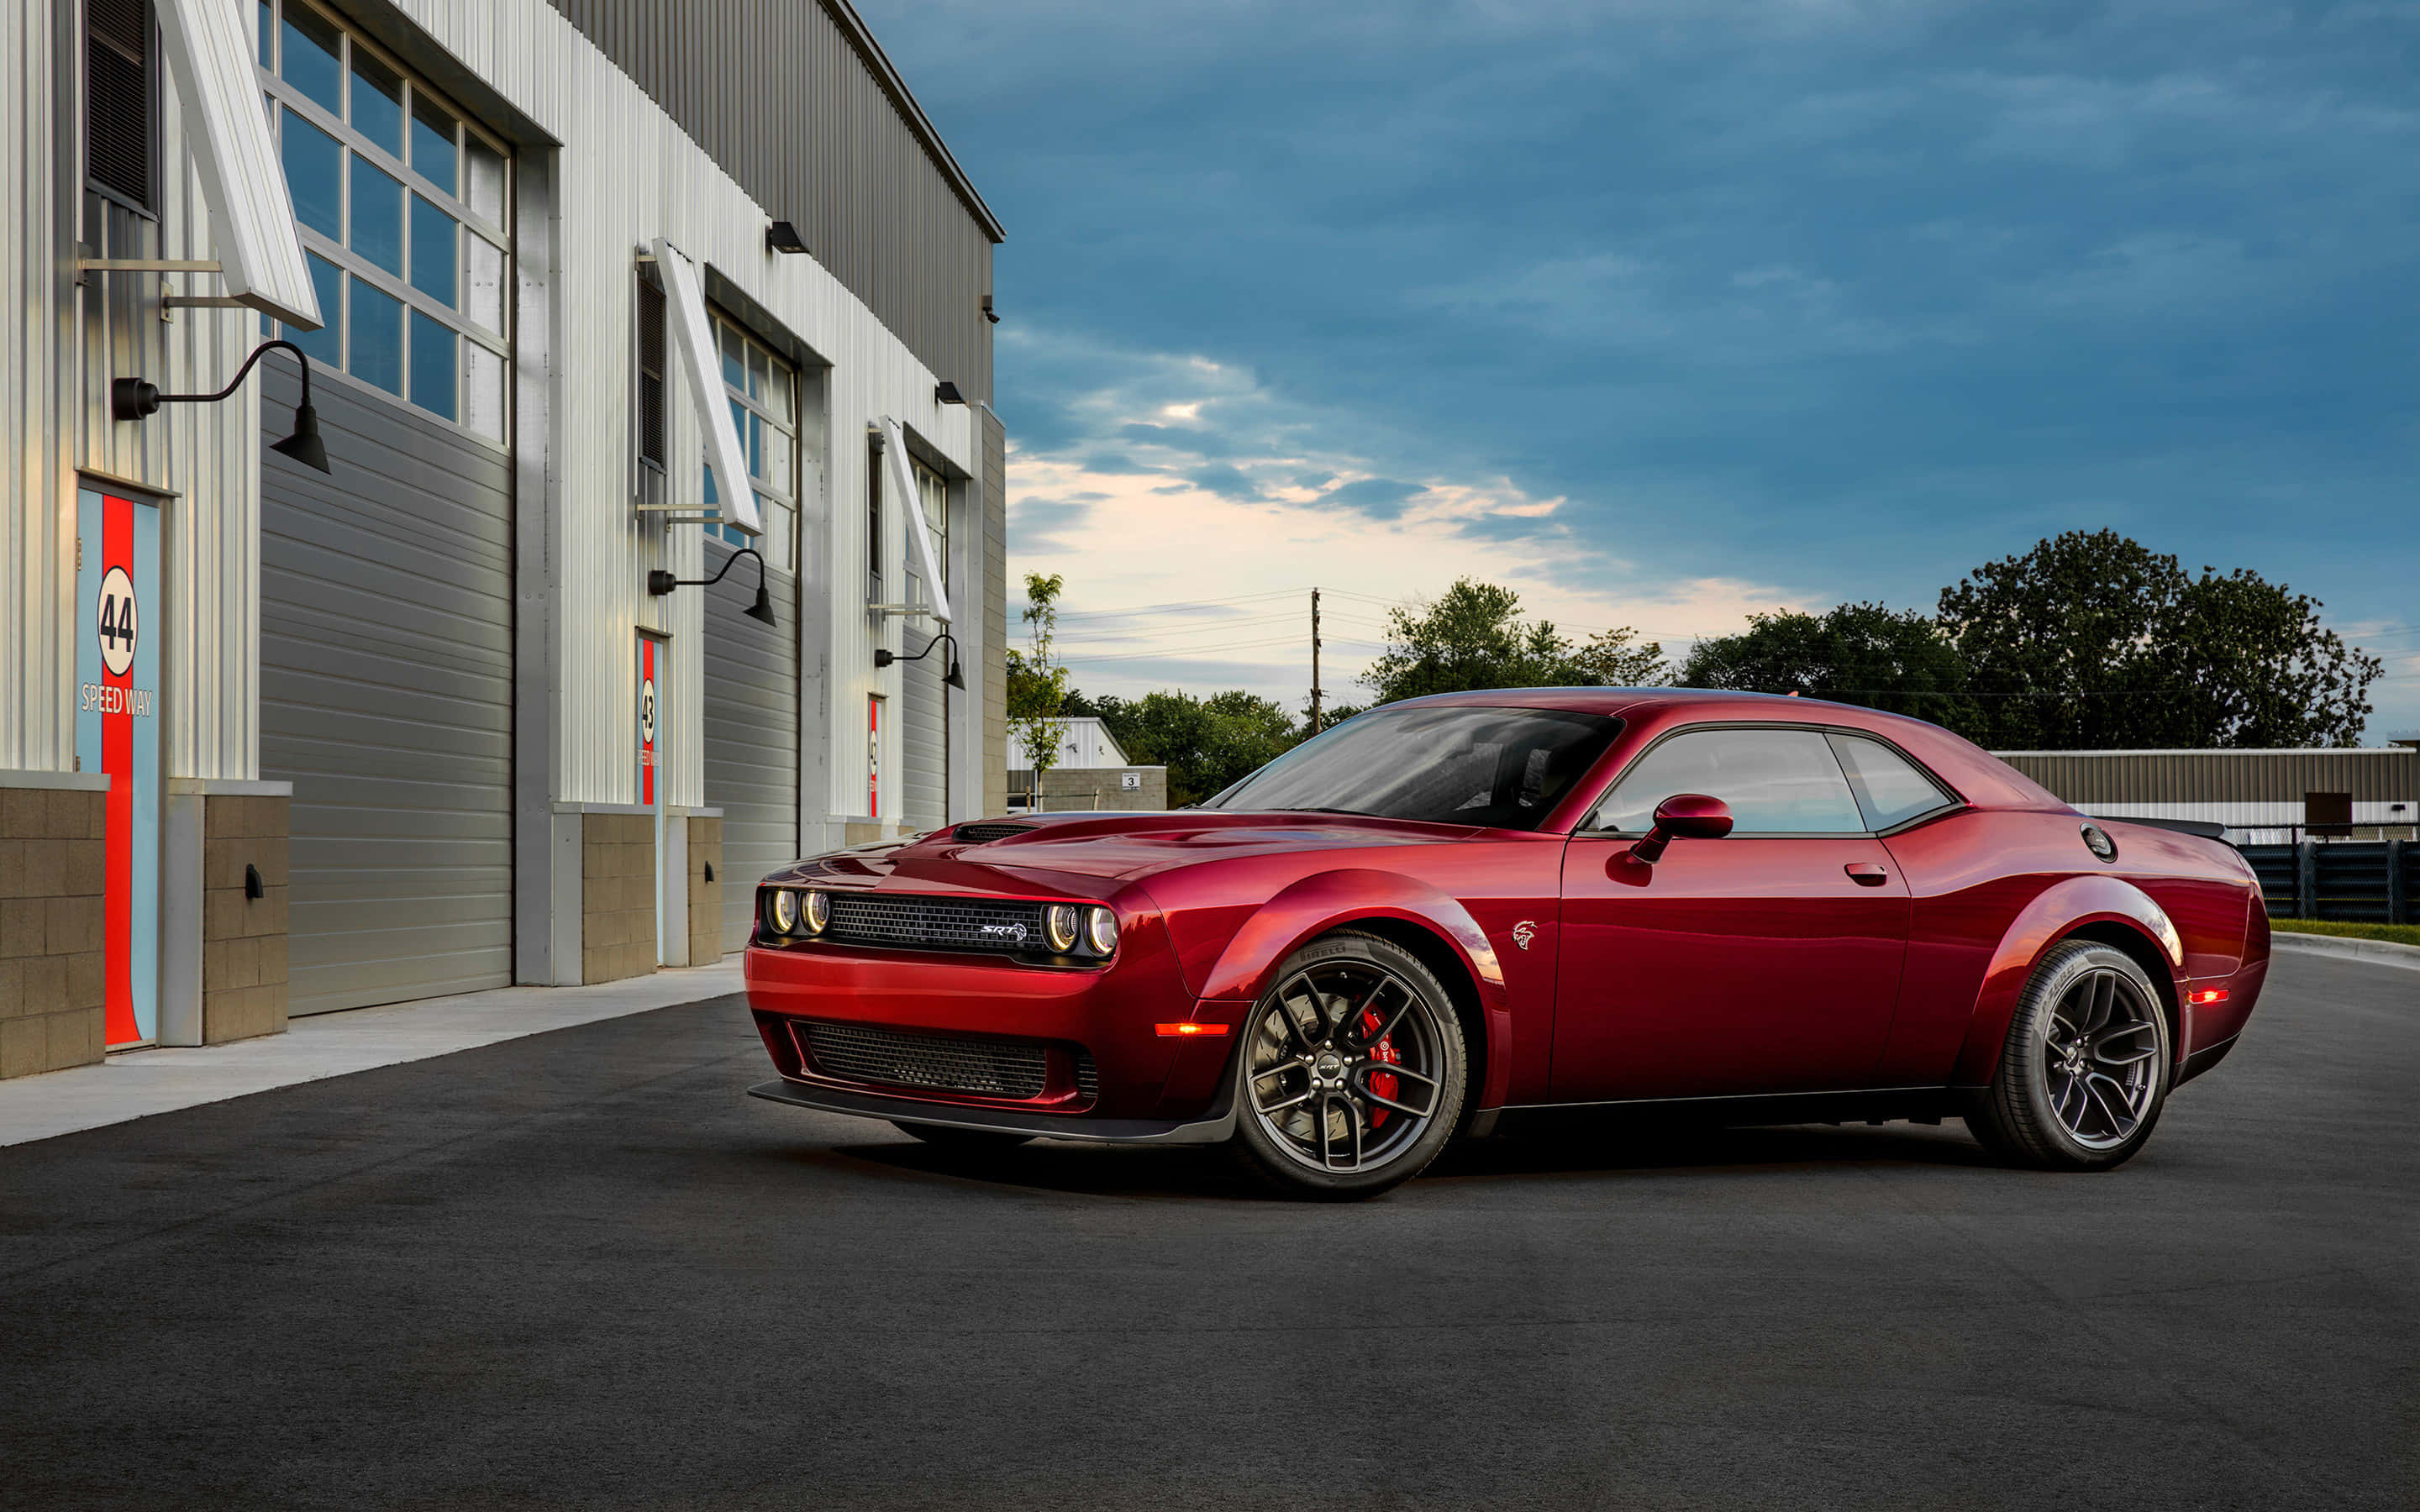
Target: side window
point(1776, 782)
point(1890, 789)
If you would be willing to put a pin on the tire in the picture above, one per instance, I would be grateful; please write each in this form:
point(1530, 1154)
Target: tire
point(945, 1136)
point(2085, 1068)
point(1356, 1028)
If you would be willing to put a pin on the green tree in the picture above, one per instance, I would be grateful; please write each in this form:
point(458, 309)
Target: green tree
point(1037, 680)
point(2094, 641)
point(1474, 635)
point(1854, 654)
point(1206, 743)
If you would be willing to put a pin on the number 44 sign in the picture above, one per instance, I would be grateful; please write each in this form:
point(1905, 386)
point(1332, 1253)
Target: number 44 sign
point(117, 733)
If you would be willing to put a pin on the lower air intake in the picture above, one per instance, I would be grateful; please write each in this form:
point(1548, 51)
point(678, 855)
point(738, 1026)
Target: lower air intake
point(988, 1068)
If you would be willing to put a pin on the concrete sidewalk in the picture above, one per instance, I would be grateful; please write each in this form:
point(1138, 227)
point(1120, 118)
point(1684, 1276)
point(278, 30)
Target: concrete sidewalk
point(139, 1083)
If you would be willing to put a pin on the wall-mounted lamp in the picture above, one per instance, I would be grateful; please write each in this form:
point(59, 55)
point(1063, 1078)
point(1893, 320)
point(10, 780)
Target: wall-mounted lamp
point(989, 313)
point(956, 678)
point(948, 393)
point(133, 398)
point(783, 236)
point(660, 582)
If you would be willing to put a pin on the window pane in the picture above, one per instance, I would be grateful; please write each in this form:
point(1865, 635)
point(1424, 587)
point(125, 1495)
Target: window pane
point(1890, 790)
point(327, 344)
point(432, 251)
point(735, 364)
point(483, 390)
point(712, 497)
point(486, 191)
point(377, 216)
point(377, 102)
point(433, 361)
point(1500, 767)
point(377, 337)
point(315, 175)
point(484, 284)
point(313, 48)
point(777, 469)
point(432, 143)
point(1777, 781)
point(756, 373)
point(268, 35)
point(754, 431)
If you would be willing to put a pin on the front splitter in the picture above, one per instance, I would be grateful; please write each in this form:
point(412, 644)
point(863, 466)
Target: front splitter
point(1214, 1128)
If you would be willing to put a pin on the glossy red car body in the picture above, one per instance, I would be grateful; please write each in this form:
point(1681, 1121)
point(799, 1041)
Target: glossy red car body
point(1745, 967)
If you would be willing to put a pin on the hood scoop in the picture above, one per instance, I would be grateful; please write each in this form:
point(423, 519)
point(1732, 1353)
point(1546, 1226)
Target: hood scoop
point(985, 834)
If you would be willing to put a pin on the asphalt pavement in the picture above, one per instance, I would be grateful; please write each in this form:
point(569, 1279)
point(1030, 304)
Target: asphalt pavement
point(583, 1270)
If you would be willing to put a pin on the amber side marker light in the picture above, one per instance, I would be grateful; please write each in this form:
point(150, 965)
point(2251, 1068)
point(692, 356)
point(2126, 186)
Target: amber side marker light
point(2207, 994)
point(1180, 1032)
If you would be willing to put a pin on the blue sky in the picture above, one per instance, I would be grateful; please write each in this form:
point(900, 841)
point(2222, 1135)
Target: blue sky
point(1662, 313)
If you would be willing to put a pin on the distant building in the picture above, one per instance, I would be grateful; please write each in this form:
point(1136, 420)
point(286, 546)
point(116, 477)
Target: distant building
point(2261, 796)
point(1092, 772)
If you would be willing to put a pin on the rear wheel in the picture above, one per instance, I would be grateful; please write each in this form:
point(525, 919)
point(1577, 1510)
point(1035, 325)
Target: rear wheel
point(2085, 1066)
point(944, 1136)
point(1351, 1071)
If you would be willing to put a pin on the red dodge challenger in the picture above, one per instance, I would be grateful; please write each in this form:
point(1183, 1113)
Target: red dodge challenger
point(1447, 910)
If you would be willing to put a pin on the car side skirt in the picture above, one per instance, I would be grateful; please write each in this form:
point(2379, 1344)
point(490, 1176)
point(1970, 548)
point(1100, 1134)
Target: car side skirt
point(1870, 1104)
point(1216, 1126)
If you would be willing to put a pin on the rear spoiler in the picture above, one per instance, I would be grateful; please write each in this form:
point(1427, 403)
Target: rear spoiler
point(2202, 827)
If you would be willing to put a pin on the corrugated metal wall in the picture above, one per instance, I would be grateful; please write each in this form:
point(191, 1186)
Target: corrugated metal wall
point(386, 699)
point(59, 348)
point(923, 790)
point(790, 97)
point(751, 734)
point(627, 173)
point(2203, 776)
point(995, 615)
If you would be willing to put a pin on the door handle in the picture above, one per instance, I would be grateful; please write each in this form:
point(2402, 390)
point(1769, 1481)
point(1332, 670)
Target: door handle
point(1867, 873)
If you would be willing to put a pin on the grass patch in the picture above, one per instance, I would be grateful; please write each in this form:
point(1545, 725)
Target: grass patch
point(2395, 933)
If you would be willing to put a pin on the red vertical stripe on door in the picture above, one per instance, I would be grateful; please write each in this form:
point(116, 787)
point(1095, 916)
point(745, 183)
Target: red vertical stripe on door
point(117, 760)
point(647, 746)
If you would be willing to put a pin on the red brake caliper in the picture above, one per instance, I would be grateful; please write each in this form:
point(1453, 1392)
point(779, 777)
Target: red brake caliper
point(1382, 1083)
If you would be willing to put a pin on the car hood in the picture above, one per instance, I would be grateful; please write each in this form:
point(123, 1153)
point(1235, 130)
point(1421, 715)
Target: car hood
point(1066, 850)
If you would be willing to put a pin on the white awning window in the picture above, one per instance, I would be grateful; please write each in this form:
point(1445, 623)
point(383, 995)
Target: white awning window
point(694, 336)
point(920, 534)
point(251, 216)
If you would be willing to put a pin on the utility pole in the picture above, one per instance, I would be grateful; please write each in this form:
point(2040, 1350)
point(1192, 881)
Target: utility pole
point(1314, 661)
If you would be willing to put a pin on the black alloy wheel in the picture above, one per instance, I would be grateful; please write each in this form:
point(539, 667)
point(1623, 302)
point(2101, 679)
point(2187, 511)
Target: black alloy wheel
point(1351, 1071)
point(2086, 1065)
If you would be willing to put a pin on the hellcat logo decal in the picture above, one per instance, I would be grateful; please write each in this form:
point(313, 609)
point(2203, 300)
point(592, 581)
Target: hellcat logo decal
point(1524, 933)
point(1014, 931)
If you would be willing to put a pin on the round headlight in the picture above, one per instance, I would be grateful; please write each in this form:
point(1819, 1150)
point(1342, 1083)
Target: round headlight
point(819, 912)
point(781, 910)
point(1104, 932)
point(1062, 924)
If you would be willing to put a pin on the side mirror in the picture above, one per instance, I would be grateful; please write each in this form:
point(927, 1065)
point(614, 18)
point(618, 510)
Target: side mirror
point(1683, 816)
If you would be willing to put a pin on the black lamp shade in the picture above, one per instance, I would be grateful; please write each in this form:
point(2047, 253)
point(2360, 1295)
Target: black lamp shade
point(957, 679)
point(763, 607)
point(783, 236)
point(305, 446)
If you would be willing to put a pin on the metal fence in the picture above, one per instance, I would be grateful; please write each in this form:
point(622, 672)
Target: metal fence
point(2362, 882)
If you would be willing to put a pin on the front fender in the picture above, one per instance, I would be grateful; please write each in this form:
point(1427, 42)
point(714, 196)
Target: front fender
point(2055, 912)
point(1325, 901)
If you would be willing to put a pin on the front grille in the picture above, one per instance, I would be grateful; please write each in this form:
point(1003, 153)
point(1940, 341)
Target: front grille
point(985, 834)
point(991, 1068)
point(936, 923)
point(1087, 1076)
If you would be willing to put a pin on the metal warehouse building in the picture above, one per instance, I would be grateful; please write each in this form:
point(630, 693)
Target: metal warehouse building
point(647, 468)
point(2260, 796)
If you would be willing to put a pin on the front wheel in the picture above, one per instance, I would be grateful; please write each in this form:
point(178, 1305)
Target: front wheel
point(1350, 1073)
point(2085, 1066)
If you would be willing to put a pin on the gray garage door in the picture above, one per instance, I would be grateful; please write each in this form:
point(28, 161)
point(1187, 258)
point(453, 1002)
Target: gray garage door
point(924, 735)
point(752, 732)
point(386, 674)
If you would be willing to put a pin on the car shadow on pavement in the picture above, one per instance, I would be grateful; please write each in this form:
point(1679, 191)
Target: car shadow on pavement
point(1600, 1147)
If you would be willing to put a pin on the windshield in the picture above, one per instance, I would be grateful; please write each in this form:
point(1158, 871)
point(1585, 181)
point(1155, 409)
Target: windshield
point(1503, 768)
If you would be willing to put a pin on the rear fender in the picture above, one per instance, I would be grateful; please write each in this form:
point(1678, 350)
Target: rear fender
point(2058, 912)
point(1330, 900)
